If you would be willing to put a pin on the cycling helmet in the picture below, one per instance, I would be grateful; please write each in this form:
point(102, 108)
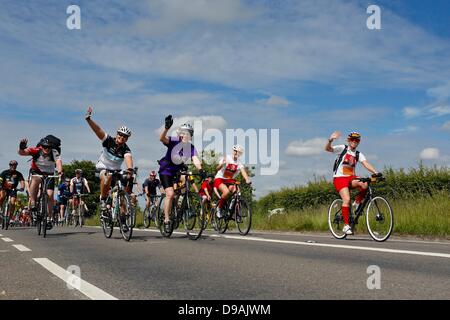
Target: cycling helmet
point(124, 130)
point(186, 127)
point(238, 148)
point(79, 171)
point(13, 163)
point(354, 135)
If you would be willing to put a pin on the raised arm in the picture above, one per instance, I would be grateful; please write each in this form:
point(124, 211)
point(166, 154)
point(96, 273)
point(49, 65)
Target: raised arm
point(335, 135)
point(94, 126)
point(22, 148)
point(168, 123)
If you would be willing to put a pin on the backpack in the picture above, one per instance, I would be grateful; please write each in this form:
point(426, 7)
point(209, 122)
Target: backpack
point(55, 142)
point(338, 160)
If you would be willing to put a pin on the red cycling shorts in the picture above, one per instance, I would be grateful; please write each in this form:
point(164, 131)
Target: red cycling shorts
point(343, 182)
point(218, 182)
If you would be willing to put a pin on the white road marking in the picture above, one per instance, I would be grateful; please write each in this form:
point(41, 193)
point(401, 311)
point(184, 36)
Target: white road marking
point(7, 240)
point(420, 253)
point(21, 247)
point(247, 238)
point(89, 290)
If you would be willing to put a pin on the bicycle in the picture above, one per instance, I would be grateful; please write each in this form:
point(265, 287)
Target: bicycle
point(78, 212)
point(236, 209)
point(121, 206)
point(186, 208)
point(150, 212)
point(42, 201)
point(379, 215)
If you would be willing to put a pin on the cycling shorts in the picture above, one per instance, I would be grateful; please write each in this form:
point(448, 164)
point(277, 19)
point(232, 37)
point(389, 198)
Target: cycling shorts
point(219, 181)
point(343, 182)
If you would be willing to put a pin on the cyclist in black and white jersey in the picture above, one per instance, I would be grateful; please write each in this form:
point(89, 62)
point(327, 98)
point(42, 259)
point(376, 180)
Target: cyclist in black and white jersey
point(78, 185)
point(115, 152)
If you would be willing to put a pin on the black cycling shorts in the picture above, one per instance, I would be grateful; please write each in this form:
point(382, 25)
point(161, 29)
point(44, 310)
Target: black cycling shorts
point(168, 181)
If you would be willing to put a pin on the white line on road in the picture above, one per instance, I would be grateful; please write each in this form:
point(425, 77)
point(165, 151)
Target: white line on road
point(410, 252)
point(420, 253)
point(21, 247)
point(7, 240)
point(89, 290)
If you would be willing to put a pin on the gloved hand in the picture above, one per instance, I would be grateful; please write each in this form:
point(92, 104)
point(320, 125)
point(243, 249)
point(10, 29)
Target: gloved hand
point(23, 144)
point(88, 113)
point(168, 121)
point(377, 175)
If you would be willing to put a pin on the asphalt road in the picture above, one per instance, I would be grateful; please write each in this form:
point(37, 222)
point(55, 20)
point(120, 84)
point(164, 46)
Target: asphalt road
point(261, 265)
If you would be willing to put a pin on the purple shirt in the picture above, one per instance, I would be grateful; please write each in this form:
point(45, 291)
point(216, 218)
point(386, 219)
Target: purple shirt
point(177, 154)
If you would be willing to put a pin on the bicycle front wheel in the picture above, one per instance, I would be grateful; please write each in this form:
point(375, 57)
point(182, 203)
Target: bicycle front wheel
point(243, 214)
point(107, 224)
point(193, 216)
point(129, 217)
point(336, 220)
point(379, 219)
point(146, 217)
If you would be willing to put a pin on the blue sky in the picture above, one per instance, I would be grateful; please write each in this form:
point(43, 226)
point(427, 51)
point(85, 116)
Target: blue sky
point(306, 68)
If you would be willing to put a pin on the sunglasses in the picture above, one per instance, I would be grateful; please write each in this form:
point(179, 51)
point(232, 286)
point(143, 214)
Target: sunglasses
point(123, 136)
point(355, 140)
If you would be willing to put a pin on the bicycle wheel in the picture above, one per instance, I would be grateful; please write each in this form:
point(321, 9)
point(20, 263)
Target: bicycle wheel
point(243, 214)
point(44, 216)
point(107, 223)
point(379, 219)
point(336, 220)
point(154, 215)
point(160, 215)
point(147, 217)
point(221, 224)
point(129, 217)
point(193, 213)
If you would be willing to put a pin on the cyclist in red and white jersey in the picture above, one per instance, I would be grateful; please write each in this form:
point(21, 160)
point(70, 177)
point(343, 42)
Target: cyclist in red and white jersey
point(45, 160)
point(228, 169)
point(344, 172)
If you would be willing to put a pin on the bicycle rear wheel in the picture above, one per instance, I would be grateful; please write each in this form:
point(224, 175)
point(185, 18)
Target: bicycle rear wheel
point(193, 213)
point(243, 214)
point(379, 219)
point(336, 220)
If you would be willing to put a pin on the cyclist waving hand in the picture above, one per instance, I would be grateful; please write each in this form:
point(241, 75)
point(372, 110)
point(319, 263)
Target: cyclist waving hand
point(344, 172)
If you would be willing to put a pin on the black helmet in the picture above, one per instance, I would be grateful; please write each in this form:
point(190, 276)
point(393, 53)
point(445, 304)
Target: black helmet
point(45, 143)
point(13, 163)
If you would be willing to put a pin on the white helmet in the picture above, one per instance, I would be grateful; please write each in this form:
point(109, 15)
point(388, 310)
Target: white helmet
point(238, 148)
point(187, 127)
point(124, 130)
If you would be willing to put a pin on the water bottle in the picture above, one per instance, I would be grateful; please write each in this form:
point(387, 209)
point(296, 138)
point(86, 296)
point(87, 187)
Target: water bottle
point(232, 204)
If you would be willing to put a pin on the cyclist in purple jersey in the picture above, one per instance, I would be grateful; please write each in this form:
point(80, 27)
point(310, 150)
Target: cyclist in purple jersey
point(180, 151)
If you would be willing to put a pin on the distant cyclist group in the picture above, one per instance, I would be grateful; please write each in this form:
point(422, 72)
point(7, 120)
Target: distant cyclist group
point(116, 185)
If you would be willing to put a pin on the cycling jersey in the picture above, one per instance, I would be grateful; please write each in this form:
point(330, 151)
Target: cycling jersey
point(178, 153)
point(42, 162)
point(152, 185)
point(11, 179)
point(231, 168)
point(79, 185)
point(112, 155)
point(208, 186)
point(348, 163)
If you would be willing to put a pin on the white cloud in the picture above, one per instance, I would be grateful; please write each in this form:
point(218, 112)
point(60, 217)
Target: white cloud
point(441, 110)
point(441, 92)
point(274, 101)
point(411, 112)
point(305, 148)
point(407, 129)
point(429, 154)
point(446, 125)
